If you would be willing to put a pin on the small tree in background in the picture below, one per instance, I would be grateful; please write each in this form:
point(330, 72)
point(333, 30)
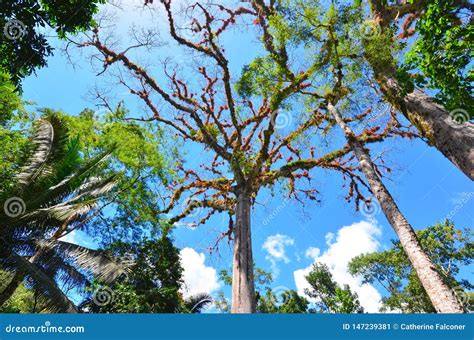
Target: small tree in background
point(450, 248)
point(277, 300)
point(9, 99)
point(13, 142)
point(152, 285)
point(286, 302)
point(330, 297)
point(22, 301)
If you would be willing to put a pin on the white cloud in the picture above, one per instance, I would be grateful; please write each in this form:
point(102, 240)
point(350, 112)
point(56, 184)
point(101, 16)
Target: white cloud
point(312, 253)
point(198, 277)
point(276, 245)
point(350, 241)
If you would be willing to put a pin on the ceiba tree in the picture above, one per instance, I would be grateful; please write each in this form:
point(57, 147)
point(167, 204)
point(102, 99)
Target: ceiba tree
point(236, 123)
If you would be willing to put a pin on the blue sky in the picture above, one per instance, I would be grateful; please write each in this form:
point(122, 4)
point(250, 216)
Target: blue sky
point(287, 237)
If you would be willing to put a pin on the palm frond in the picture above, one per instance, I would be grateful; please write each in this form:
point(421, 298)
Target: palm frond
point(94, 261)
point(60, 268)
point(74, 210)
point(61, 166)
point(53, 146)
point(197, 303)
point(39, 220)
point(43, 139)
point(69, 273)
point(46, 287)
point(71, 182)
point(94, 188)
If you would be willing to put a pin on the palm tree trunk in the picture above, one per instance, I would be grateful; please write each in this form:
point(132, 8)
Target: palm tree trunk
point(11, 287)
point(17, 280)
point(243, 286)
point(441, 295)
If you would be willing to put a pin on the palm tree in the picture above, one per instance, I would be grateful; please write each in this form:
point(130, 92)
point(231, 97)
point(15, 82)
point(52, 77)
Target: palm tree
point(196, 304)
point(54, 194)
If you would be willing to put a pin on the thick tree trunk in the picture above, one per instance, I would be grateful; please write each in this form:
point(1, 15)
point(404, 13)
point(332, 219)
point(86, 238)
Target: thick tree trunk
point(11, 287)
point(443, 298)
point(243, 286)
point(454, 140)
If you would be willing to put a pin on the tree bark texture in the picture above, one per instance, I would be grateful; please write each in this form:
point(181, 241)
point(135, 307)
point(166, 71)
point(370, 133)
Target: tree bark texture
point(441, 295)
point(243, 286)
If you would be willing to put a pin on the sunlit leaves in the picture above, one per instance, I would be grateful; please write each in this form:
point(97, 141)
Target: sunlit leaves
point(29, 49)
point(443, 52)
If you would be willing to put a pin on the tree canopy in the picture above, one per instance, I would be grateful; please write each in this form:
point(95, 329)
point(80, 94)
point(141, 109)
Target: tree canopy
point(24, 46)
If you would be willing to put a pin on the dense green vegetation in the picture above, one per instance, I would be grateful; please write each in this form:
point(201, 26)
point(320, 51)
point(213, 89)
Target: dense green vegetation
point(324, 295)
point(24, 46)
point(443, 53)
point(152, 284)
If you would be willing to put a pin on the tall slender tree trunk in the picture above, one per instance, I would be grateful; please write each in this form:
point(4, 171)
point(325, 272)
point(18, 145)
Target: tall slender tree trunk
point(243, 286)
point(11, 287)
point(441, 295)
